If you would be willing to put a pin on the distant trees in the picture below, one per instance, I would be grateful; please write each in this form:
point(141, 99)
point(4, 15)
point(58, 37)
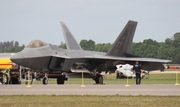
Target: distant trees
point(147, 48)
point(170, 49)
point(102, 47)
point(87, 44)
point(10, 47)
point(90, 45)
point(8, 44)
point(177, 35)
point(62, 45)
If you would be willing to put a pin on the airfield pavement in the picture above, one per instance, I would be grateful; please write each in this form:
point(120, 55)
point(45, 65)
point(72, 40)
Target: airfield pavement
point(76, 89)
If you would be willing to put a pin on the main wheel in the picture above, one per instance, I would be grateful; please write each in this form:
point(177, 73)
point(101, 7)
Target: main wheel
point(99, 79)
point(60, 80)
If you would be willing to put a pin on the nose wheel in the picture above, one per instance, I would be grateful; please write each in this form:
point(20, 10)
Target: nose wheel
point(45, 79)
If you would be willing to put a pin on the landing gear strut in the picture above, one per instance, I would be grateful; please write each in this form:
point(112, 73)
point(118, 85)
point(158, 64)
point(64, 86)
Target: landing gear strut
point(5, 78)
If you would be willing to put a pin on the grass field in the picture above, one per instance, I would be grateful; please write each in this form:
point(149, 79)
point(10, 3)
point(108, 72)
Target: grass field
point(89, 101)
point(97, 100)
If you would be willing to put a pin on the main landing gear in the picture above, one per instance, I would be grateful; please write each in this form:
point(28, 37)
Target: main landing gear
point(98, 79)
point(61, 79)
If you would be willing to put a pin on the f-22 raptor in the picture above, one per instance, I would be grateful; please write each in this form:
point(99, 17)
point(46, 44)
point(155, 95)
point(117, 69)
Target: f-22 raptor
point(45, 57)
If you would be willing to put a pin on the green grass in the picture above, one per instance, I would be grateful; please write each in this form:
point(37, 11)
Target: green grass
point(162, 78)
point(88, 101)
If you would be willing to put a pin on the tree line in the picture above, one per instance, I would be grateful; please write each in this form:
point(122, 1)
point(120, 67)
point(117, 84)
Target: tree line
point(10, 47)
point(169, 49)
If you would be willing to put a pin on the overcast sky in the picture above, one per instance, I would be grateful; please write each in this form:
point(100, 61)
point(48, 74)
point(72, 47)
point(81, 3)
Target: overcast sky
point(99, 20)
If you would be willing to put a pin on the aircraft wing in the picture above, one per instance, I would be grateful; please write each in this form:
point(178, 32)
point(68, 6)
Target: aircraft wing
point(149, 64)
point(117, 58)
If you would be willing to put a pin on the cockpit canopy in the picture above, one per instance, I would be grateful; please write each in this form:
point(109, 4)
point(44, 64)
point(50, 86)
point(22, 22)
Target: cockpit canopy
point(36, 44)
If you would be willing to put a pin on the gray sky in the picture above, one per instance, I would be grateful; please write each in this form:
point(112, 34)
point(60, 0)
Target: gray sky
point(99, 20)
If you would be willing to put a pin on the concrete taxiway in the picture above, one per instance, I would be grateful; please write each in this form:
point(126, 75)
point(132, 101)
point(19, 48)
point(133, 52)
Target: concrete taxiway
point(76, 89)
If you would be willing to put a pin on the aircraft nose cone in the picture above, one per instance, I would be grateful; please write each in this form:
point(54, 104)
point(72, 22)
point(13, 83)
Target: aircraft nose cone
point(17, 58)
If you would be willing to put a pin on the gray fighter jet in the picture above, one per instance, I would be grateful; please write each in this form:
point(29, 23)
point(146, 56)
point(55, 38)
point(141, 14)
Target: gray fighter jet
point(45, 57)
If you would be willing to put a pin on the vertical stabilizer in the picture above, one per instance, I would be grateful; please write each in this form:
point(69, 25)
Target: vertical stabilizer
point(123, 42)
point(71, 43)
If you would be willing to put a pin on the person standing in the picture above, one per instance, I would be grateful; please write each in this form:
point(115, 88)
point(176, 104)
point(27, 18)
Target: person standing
point(137, 69)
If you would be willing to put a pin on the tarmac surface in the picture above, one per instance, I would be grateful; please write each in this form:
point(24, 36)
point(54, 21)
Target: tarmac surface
point(76, 89)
